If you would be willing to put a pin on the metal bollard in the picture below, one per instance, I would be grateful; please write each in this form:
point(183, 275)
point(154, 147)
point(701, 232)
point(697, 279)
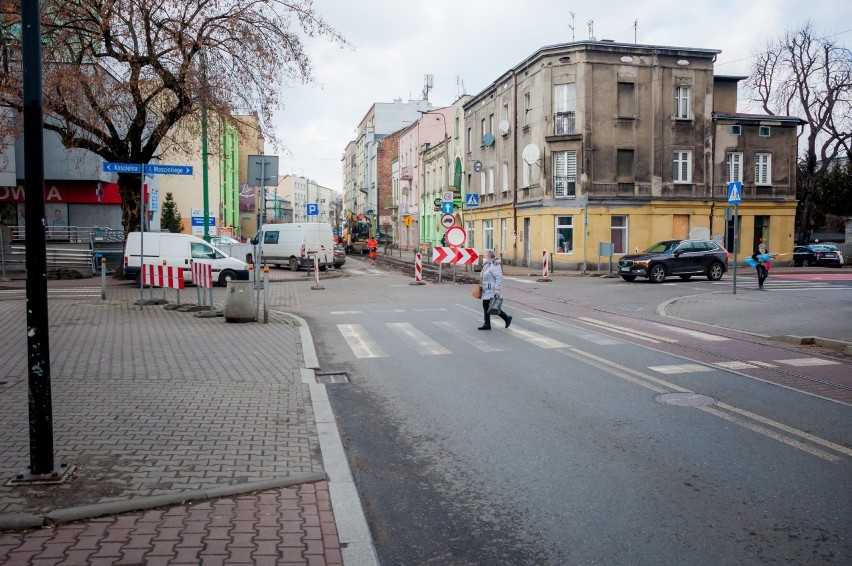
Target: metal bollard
point(265, 294)
point(103, 278)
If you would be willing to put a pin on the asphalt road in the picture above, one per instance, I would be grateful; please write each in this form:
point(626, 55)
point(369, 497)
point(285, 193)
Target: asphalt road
point(586, 433)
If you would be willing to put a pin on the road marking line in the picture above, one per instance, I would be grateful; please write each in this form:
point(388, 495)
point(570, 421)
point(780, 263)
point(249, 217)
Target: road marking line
point(437, 309)
point(536, 339)
point(734, 365)
point(661, 386)
point(762, 364)
point(359, 342)
point(593, 338)
point(346, 312)
point(680, 368)
point(355, 271)
point(465, 335)
point(527, 281)
point(693, 333)
point(425, 345)
point(801, 362)
point(629, 332)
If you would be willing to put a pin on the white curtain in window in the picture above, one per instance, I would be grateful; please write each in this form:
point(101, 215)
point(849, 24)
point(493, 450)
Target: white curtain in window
point(564, 173)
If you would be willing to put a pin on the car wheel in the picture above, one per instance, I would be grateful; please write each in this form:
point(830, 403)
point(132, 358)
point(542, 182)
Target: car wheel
point(323, 268)
point(685, 277)
point(715, 272)
point(805, 263)
point(658, 273)
point(629, 278)
point(225, 276)
point(294, 264)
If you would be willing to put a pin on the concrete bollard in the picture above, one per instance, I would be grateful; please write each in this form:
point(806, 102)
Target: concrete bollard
point(240, 302)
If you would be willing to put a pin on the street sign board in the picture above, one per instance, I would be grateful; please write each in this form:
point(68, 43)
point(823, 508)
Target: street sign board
point(447, 207)
point(447, 196)
point(407, 220)
point(471, 200)
point(313, 209)
point(735, 192)
point(458, 256)
point(455, 236)
point(437, 202)
point(151, 169)
point(448, 220)
point(122, 167)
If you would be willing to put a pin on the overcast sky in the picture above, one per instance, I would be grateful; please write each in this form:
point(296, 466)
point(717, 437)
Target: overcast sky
point(467, 44)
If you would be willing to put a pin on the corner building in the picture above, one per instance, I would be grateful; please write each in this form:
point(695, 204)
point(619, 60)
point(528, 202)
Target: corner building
point(600, 142)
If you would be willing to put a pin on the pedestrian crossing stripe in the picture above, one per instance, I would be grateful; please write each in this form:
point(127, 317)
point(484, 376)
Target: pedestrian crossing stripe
point(680, 368)
point(802, 362)
point(425, 345)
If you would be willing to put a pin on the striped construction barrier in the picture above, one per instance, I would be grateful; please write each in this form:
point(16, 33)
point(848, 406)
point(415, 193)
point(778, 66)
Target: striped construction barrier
point(544, 267)
point(202, 274)
point(418, 269)
point(162, 276)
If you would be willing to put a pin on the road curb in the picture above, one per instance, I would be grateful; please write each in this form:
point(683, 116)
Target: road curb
point(24, 521)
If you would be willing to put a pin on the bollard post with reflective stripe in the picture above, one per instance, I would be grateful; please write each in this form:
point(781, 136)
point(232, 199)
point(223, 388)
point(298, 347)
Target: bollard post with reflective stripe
point(544, 272)
point(103, 278)
point(418, 269)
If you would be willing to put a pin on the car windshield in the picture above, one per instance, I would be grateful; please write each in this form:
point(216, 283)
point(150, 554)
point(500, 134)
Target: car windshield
point(663, 247)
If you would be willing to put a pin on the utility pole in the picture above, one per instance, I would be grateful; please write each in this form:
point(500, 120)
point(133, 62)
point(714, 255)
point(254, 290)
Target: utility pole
point(204, 176)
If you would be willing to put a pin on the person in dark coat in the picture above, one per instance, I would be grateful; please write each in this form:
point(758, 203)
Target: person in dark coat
point(491, 280)
point(762, 257)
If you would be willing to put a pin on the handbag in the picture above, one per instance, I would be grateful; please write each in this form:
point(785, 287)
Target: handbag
point(495, 306)
point(477, 291)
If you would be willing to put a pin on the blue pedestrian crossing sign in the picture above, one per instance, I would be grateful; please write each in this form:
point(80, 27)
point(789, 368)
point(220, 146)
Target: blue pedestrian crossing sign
point(735, 192)
point(471, 200)
point(313, 209)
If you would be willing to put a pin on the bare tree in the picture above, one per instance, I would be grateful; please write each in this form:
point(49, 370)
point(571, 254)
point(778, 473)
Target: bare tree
point(120, 75)
point(805, 75)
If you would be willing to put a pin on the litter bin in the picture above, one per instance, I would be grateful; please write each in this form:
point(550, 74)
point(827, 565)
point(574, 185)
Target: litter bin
point(240, 302)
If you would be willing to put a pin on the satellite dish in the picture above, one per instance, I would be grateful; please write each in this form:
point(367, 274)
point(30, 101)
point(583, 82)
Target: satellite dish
point(504, 127)
point(531, 154)
point(488, 139)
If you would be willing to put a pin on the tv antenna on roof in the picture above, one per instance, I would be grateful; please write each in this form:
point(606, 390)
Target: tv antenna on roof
point(427, 86)
point(635, 29)
point(591, 24)
point(572, 25)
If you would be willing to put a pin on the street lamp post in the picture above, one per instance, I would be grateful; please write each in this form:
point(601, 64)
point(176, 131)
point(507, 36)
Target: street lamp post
point(446, 151)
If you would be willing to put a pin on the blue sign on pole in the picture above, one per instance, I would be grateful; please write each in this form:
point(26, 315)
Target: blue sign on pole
point(471, 200)
point(168, 169)
point(122, 167)
point(735, 192)
point(313, 209)
point(447, 207)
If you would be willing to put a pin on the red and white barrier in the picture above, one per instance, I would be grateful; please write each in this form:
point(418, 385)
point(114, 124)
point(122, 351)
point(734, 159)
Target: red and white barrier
point(460, 256)
point(202, 274)
point(544, 263)
point(418, 268)
point(162, 276)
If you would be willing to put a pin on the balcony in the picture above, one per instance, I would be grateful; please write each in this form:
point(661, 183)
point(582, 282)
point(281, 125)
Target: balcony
point(564, 123)
point(406, 173)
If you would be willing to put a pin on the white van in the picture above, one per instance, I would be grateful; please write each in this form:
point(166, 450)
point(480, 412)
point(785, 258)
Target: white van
point(294, 245)
point(176, 250)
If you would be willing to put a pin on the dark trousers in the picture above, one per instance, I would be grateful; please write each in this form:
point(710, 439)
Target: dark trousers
point(485, 303)
point(762, 274)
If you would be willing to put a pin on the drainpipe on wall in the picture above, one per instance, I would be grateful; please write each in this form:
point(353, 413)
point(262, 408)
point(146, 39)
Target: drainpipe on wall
point(515, 162)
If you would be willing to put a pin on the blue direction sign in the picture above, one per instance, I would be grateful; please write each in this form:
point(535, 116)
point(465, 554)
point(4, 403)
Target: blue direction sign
point(447, 207)
point(168, 169)
point(313, 209)
point(122, 167)
point(471, 200)
point(735, 192)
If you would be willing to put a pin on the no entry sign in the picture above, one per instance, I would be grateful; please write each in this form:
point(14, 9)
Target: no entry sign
point(456, 236)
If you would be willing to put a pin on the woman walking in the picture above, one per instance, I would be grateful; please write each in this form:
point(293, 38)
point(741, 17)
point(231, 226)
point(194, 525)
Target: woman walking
point(491, 280)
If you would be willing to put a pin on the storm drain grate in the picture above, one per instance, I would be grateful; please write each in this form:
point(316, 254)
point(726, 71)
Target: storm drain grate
point(685, 399)
point(329, 378)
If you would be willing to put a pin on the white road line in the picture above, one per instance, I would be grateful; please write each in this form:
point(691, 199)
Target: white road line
point(438, 309)
point(359, 342)
point(535, 338)
point(801, 362)
point(425, 345)
point(527, 281)
point(465, 334)
point(648, 337)
point(593, 338)
point(680, 368)
point(346, 312)
point(693, 333)
point(355, 271)
point(734, 365)
point(762, 364)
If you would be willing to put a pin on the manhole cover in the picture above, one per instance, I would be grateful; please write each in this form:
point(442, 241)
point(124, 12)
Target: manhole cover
point(328, 378)
point(685, 399)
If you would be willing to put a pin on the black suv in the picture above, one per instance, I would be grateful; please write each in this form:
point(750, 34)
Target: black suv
point(683, 258)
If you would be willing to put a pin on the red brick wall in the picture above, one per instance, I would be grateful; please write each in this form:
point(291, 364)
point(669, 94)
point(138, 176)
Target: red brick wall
point(387, 151)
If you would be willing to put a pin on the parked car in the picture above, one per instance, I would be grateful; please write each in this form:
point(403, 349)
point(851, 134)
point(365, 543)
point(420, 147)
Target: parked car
point(683, 258)
point(817, 254)
point(339, 256)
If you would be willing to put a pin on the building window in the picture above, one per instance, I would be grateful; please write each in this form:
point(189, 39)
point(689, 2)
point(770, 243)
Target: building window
point(505, 115)
point(736, 130)
point(468, 227)
point(456, 128)
point(682, 167)
point(505, 176)
point(626, 100)
point(564, 108)
point(491, 123)
point(527, 109)
point(469, 140)
point(764, 131)
point(564, 234)
point(763, 169)
point(502, 234)
point(734, 168)
point(618, 233)
point(564, 174)
point(624, 166)
point(682, 102)
point(491, 181)
point(488, 234)
point(527, 169)
point(482, 131)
